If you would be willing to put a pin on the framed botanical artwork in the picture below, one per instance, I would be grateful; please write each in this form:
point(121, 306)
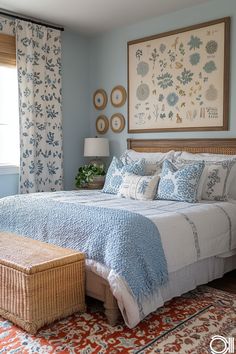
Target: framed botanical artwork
point(179, 80)
point(100, 99)
point(117, 122)
point(102, 124)
point(118, 96)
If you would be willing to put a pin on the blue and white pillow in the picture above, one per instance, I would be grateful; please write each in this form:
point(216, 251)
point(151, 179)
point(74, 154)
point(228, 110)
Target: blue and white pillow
point(216, 180)
point(180, 184)
point(138, 187)
point(153, 160)
point(116, 172)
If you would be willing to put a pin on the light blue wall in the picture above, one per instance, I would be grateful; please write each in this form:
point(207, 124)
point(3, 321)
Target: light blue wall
point(8, 185)
point(108, 64)
point(75, 105)
point(101, 61)
point(75, 102)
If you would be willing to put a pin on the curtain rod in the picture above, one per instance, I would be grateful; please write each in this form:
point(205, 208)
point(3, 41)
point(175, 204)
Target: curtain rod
point(31, 19)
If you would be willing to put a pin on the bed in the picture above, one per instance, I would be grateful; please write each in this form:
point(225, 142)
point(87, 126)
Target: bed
point(207, 253)
point(189, 277)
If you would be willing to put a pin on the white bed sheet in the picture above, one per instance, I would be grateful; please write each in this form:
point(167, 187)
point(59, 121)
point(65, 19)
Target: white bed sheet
point(193, 238)
point(189, 232)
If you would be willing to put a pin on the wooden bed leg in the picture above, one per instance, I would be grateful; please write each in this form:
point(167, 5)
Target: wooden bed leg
point(112, 311)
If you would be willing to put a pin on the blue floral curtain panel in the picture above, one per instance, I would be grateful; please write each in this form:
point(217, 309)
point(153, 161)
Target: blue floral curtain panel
point(7, 26)
point(39, 78)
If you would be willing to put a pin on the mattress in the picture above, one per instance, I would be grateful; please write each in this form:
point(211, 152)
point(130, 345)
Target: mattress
point(196, 239)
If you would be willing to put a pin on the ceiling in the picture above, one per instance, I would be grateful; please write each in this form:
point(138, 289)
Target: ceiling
point(95, 16)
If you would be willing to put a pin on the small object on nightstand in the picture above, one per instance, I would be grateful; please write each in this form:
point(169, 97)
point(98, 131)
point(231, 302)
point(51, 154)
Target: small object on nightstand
point(90, 177)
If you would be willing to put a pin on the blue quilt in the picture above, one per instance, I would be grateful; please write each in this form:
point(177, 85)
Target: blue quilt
point(124, 241)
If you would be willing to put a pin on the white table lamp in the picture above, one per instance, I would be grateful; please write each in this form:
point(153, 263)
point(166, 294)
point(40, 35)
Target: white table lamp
point(96, 147)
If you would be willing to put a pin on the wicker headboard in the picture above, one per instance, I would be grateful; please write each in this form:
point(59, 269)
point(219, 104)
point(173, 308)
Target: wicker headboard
point(214, 146)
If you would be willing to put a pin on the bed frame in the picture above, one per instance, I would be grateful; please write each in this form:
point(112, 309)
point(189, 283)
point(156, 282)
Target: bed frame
point(96, 286)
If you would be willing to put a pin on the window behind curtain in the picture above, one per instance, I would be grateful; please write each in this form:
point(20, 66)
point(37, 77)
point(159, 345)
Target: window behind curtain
point(9, 115)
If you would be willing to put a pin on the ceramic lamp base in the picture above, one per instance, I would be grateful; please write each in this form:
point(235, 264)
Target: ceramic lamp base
point(97, 183)
point(97, 162)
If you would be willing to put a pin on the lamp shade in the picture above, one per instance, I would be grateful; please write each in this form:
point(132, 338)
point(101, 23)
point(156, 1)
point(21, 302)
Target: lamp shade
point(96, 147)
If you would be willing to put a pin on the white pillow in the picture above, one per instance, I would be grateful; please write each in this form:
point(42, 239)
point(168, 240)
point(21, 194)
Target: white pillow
point(217, 177)
point(138, 187)
point(215, 157)
point(153, 160)
point(204, 156)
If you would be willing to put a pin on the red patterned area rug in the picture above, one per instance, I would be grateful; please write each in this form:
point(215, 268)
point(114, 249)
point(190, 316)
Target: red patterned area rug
point(184, 325)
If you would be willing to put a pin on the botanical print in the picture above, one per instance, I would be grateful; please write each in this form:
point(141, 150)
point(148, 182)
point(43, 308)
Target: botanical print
point(177, 81)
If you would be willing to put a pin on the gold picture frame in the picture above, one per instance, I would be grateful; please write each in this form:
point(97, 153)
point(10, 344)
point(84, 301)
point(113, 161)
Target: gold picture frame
point(102, 124)
point(100, 99)
point(179, 80)
point(118, 96)
point(117, 122)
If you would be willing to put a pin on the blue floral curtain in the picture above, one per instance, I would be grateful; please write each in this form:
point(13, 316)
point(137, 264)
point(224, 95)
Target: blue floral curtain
point(39, 78)
point(7, 26)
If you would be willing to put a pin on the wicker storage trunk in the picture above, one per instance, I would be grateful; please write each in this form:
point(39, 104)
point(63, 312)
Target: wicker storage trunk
point(39, 283)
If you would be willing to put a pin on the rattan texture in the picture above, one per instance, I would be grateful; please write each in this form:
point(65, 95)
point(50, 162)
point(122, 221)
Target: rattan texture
point(44, 291)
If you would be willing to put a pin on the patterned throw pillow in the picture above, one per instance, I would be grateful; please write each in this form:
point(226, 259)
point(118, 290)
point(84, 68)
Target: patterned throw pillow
point(138, 187)
point(116, 172)
point(153, 160)
point(216, 179)
point(180, 184)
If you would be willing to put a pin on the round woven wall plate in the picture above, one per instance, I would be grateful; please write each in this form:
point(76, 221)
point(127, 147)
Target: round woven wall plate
point(102, 124)
point(100, 99)
point(117, 122)
point(118, 96)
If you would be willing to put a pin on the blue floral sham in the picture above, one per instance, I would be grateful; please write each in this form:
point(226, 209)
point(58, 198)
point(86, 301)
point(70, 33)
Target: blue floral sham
point(180, 184)
point(116, 172)
point(216, 180)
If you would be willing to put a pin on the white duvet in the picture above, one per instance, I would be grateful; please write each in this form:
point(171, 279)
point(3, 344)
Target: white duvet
point(189, 233)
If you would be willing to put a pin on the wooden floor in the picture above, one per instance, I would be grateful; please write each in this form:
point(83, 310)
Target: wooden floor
point(227, 283)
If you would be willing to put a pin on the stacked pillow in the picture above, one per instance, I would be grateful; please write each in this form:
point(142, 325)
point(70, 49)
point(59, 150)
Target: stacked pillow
point(116, 172)
point(181, 183)
point(218, 181)
point(122, 173)
point(180, 176)
point(153, 160)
